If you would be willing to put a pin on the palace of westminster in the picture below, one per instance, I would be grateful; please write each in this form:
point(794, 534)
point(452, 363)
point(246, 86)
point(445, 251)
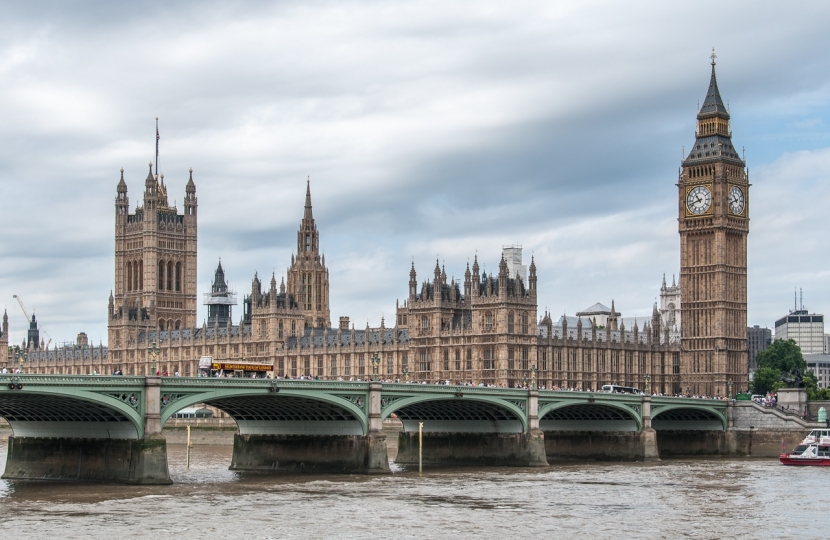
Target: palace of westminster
point(485, 329)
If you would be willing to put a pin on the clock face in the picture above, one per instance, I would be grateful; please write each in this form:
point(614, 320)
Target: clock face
point(699, 200)
point(736, 200)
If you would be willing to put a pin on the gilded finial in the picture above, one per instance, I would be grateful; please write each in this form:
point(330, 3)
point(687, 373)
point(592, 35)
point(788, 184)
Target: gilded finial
point(714, 56)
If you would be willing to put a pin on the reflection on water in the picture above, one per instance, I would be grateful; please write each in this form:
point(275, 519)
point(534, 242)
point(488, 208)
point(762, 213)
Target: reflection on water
point(678, 499)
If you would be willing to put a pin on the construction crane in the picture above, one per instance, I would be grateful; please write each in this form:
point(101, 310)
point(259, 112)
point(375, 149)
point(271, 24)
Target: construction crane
point(26, 314)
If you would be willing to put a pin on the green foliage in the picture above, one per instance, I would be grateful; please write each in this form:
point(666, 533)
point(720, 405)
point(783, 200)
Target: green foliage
point(813, 391)
point(784, 356)
point(765, 380)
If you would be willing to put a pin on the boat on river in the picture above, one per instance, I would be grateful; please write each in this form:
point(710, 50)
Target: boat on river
point(810, 455)
point(818, 436)
point(813, 451)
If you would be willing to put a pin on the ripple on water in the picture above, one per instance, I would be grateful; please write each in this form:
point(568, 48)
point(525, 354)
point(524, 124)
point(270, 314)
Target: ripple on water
point(684, 499)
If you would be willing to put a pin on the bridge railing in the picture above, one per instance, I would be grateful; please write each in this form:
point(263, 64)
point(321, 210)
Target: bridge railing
point(72, 380)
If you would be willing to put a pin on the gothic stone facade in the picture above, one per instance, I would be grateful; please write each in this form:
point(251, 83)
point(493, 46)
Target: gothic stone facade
point(489, 331)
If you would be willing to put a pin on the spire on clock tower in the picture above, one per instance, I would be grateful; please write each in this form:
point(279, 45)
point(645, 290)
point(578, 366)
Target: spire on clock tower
point(713, 137)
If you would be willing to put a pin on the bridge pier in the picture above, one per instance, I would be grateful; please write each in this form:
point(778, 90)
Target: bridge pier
point(106, 454)
point(365, 454)
point(474, 449)
point(136, 461)
point(502, 447)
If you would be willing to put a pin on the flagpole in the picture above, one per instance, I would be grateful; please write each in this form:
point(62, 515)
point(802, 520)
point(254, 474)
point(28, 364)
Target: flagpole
point(157, 146)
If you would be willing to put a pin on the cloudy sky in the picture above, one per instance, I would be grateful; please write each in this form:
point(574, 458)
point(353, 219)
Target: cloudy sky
point(429, 129)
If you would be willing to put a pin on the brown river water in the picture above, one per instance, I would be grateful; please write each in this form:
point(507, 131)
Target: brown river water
point(717, 498)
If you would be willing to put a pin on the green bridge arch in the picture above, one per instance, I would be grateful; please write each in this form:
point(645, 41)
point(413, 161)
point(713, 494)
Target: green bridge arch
point(186, 397)
point(401, 402)
point(718, 413)
point(629, 410)
point(60, 403)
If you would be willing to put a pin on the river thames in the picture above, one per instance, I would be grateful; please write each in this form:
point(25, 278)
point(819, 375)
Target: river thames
point(717, 498)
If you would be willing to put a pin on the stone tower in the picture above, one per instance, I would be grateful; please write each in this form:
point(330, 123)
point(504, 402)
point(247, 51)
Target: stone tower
point(713, 221)
point(219, 300)
point(670, 304)
point(308, 277)
point(33, 335)
point(4, 335)
point(155, 262)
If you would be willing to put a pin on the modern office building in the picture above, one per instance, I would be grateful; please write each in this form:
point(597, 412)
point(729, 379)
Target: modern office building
point(806, 329)
point(819, 364)
point(759, 339)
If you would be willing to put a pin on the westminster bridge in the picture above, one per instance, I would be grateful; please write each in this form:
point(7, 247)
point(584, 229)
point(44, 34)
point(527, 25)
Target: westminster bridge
point(104, 428)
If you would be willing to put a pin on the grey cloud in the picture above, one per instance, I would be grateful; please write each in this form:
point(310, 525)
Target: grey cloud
point(426, 128)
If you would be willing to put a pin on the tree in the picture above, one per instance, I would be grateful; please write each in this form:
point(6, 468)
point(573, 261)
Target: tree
point(813, 391)
point(784, 356)
point(765, 380)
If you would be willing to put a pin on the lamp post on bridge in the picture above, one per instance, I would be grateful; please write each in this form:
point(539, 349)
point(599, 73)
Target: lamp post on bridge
point(688, 391)
point(21, 356)
point(729, 386)
point(647, 380)
point(375, 364)
point(153, 351)
point(533, 377)
point(406, 374)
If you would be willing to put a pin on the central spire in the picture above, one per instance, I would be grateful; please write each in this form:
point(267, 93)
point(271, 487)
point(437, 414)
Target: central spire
point(307, 237)
point(308, 215)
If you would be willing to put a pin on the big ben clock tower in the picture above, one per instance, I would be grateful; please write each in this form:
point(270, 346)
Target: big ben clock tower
point(713, 222)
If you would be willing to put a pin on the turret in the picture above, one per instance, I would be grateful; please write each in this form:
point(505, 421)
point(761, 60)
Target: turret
point(468, 283)
point(256, 290)
point(190, 202)
point(476, 277)
point(122, 202)
point(612, 318)
point(436, 284)
point(655, 324)
point(150, 191)
point(532, 277)
point(413, 283)
point(503, 275)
